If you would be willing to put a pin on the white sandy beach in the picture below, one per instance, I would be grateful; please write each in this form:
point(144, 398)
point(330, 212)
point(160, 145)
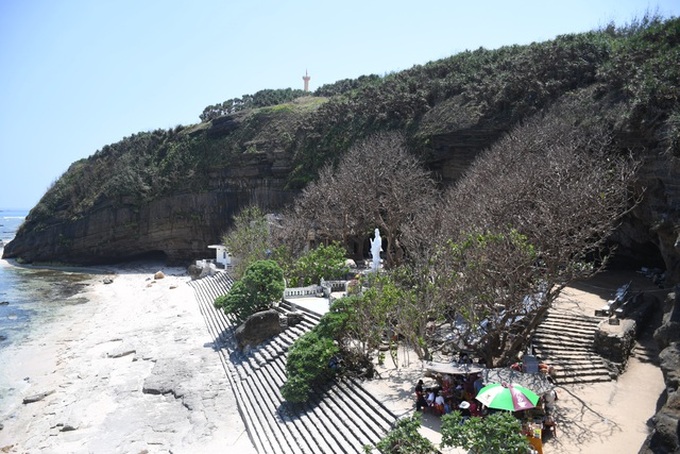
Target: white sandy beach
point(96, 403)
point(96, 358)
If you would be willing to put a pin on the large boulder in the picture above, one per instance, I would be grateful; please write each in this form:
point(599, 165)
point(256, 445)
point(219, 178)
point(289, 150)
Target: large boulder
point(257, 328)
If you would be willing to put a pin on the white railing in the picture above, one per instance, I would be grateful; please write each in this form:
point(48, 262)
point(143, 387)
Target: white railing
point(301, 292)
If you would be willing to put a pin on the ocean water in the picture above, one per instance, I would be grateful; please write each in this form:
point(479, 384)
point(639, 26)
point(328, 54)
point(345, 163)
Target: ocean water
point(30, 297)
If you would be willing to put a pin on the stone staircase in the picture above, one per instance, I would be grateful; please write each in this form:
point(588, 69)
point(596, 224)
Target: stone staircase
point(565, 340)
point(341, 418)
point(646, 353)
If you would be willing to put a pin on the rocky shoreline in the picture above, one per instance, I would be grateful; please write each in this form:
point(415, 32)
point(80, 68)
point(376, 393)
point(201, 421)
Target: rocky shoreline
point(132, 370)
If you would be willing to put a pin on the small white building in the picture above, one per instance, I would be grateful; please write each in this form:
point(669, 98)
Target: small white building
point(222, 257)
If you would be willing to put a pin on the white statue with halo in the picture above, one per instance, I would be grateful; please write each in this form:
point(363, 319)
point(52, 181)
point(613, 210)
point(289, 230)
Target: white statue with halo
point(376, 247)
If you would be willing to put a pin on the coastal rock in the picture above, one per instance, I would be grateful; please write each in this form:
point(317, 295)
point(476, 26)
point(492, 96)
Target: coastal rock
point(107, 280)
point(37, 397)
point(257, 328)
point(194, 272)
point(66, 427)
point(168, 377)
point(670, 365)
point(121, 351)
point(665, 437)
point(176, 228)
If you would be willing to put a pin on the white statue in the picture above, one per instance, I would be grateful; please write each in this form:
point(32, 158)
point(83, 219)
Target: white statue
point(376, 247)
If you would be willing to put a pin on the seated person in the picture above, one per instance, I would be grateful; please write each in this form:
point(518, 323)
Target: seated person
point(469, 385)
point(475, 409)
point(431, 396)
point(440, 404)
point(549, 400)
point(478, 383)
point(447, 385)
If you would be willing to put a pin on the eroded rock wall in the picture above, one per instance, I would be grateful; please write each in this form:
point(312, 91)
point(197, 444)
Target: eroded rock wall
point(178, 227)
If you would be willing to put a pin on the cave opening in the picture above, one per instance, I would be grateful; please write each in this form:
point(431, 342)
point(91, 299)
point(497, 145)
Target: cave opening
point(635, 258)
point(155, 256)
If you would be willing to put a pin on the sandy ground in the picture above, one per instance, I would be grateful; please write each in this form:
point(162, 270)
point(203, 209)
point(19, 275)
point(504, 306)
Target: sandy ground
point(96, 358)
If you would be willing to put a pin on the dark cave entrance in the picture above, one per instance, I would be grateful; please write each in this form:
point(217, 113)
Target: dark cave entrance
point(635, 258)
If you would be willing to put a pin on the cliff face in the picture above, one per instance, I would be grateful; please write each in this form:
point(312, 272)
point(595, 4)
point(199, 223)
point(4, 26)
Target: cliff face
point(180, 226)
point(648, 236)
point(652, 231)
point(176, 227)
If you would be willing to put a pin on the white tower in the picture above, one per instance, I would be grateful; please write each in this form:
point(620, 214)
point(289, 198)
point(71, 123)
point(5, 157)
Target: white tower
point(306, 79)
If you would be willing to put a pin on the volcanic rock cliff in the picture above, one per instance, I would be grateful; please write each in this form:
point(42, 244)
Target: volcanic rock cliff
point(175, 227)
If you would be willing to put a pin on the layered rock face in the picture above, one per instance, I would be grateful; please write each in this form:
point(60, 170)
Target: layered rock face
point(178, 228)
point(658, 215)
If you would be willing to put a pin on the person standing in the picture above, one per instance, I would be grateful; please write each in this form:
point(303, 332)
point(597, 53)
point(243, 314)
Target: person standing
point(421, 403)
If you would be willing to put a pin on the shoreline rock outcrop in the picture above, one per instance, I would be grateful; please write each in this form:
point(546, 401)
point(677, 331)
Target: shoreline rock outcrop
point(665, 437)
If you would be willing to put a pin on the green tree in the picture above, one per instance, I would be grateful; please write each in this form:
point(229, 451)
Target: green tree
point(404, 438)
point(261, 285)
point(360, 323)
point(248, 239)
point(326, 262)
point(498, 433)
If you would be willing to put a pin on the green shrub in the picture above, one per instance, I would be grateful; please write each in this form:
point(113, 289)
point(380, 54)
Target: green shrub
point(404, 438)
point(307, 366)
point(261, 285)
point(333, 324)
point(326, 262)
point(498, 433)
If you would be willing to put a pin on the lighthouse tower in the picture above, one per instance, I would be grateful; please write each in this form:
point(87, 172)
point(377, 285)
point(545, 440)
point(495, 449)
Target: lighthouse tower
point(306, 79)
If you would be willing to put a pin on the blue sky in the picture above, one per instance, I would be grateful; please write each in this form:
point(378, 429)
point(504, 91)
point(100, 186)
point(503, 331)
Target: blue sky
point(76, 75)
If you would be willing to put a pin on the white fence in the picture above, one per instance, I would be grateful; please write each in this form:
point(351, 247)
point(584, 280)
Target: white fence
point(324, 290)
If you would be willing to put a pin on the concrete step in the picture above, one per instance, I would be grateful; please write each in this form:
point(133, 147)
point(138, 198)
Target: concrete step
point(577, 331)
point(566, 341)
point(552, 338)
point(572, 317)
point(340, 418)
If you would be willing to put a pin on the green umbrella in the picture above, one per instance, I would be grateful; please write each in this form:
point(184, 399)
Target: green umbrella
point(504, 396)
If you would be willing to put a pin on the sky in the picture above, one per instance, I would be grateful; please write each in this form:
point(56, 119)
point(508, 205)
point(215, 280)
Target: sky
point(76, 75)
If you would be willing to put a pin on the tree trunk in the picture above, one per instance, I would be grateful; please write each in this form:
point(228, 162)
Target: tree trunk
point(523, 337)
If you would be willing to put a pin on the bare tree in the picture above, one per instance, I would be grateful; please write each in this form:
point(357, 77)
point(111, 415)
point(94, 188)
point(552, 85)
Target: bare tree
point(528, 218)
point(377, 183)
